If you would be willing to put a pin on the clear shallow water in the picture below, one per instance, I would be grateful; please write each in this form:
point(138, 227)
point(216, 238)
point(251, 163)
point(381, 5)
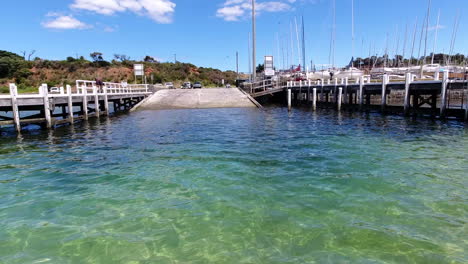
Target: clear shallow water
point(236, 186)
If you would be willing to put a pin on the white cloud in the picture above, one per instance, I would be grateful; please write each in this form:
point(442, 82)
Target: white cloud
point(234, 10)
point(160, 11)
point(64, 22)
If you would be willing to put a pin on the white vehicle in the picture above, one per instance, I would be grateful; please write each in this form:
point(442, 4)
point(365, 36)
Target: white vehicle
point(169, 85)
point(187, 85)
point(54, 90)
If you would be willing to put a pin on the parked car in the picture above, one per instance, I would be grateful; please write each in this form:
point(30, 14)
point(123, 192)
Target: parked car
point(169, 85)
point(187, 85)
point(197, 85)
point(54, 90)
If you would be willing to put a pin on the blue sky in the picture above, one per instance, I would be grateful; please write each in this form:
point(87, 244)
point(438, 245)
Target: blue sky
point(208, 33)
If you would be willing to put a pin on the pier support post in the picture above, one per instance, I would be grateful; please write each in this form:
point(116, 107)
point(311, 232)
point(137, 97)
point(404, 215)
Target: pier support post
point(335, 92)
point(106, 100)
point(345, 96)
point(45, 96)
point(14, 106)
point(340, 93)
point(289, 99)
point(361, 92)
point(443, 94)
point(321, 90)
point(385, 80)
point(70, 104)
point(314, 99)
point(96, 101)
point(85, 102)
point(466, 105)
point(408, 80)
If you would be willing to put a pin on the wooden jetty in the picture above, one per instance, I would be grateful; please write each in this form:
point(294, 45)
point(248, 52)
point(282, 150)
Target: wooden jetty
point(85, 100)
point(439, 98)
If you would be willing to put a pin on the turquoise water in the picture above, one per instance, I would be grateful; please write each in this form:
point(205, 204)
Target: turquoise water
point(236, 186)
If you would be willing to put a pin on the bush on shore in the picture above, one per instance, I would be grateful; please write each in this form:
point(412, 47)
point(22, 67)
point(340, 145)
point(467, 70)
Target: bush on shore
point(29, 75)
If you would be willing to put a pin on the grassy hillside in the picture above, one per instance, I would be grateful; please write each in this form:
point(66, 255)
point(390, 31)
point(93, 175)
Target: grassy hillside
point(29, 75)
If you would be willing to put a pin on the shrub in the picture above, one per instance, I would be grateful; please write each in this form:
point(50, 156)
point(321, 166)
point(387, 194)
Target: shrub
point(4, 89)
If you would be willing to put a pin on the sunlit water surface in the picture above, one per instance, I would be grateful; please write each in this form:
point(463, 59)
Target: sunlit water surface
point(236, 186)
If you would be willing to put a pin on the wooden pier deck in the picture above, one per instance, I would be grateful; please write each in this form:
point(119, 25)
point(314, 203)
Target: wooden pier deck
point(84, 101)
point(440, 98)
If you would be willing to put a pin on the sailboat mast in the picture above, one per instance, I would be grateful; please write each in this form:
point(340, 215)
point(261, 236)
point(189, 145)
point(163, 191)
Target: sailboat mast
point(254, 44)
point(292, 43)
point(303, 44)
point(352, 34)
point(250, 59)
point(299, 56)
point(454, 36)
point(397, 48)
point(435, 38)
point(386, 51)
point(425, 39)
point(331, 55)
point(404, 43)
point(414, 42)
point(282, 51)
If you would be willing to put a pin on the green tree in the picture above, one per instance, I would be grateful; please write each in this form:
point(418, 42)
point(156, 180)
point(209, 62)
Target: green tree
point(10, 63)
point(260, 68)
point(96, 56)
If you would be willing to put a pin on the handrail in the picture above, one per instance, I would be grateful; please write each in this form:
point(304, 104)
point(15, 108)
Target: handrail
point(85, 87)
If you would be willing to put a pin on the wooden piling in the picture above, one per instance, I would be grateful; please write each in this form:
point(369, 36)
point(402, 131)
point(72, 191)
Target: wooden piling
point(85, 103)
point(443, 94)
point(385, 80)
point(322, 96)
point(14, 106)
point(289, 99)
point(314, 99)
point(345, 95)
point(106, 100)
point(361, 92)
point(466, 105)
point(70, 104)
point(340, 92)
point(47, 115)
point(97, 111)
point(408, 81)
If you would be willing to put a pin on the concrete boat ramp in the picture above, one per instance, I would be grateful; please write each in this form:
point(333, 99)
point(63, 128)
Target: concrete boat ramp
point(197, 98)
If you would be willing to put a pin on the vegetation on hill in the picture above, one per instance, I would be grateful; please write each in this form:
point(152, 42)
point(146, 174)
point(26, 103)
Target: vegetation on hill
point(30, 74)
point(400, 61)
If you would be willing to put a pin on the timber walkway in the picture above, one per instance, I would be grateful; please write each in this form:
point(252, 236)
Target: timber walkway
point(440, 97)
point(84, 101)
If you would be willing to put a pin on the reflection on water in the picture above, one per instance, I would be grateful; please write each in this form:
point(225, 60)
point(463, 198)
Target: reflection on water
point(236, 186)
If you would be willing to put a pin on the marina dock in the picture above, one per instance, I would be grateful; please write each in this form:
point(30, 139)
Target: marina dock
point(86, 100)
point(438, 98)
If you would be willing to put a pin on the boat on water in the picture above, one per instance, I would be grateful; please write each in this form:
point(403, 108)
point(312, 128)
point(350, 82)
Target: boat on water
point(350, 73)
point(428, 69)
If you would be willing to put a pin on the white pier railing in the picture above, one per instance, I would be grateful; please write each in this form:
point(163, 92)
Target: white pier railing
point(87, 87)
